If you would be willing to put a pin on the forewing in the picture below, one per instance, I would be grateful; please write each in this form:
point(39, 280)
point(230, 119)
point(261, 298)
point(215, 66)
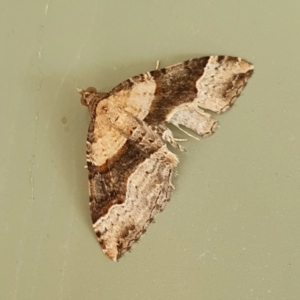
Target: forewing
point(130, 181)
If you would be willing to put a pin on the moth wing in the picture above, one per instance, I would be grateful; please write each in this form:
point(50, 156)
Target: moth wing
point(132, 184)
point(179, 94)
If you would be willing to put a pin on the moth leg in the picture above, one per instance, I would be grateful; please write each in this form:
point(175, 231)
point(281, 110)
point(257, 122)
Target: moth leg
point(167, 135)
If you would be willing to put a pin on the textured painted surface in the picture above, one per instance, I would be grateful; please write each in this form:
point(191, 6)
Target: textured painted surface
point(231, 230)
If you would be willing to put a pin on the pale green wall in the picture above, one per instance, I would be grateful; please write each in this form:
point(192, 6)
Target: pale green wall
point(231, 230)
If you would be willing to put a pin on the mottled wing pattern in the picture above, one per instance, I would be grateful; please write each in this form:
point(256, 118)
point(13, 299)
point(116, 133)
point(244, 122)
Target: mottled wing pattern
point(130, 167)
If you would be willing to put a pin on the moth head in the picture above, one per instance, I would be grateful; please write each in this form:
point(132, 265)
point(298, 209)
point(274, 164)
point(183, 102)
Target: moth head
point(87, 95)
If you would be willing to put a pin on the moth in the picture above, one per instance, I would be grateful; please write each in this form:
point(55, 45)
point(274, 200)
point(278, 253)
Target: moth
point(129, 165)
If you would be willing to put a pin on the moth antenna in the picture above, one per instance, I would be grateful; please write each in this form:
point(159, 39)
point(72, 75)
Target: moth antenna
point(80, 91)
